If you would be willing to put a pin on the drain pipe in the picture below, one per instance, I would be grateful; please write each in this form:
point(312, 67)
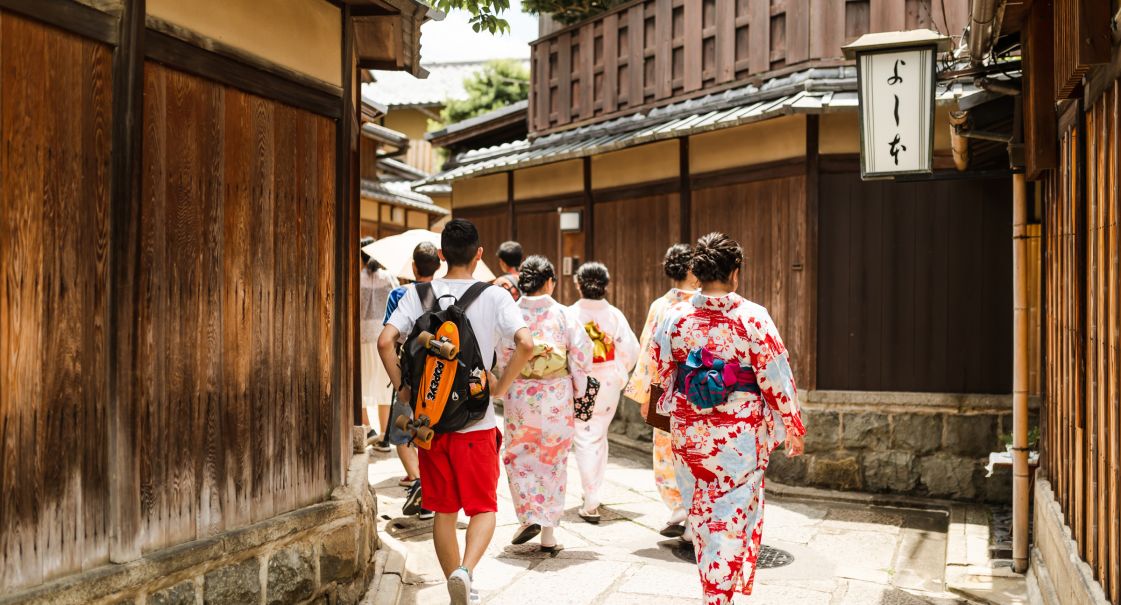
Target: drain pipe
point(984, 25)
point(959, 145)
point(1020, 480)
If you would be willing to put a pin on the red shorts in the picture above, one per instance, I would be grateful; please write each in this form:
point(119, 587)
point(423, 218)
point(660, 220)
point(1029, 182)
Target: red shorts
point(460, 471)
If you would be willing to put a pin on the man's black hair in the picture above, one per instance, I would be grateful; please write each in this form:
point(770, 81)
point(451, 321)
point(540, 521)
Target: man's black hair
point(426, 259)
point(511, 254)
point(459, 242)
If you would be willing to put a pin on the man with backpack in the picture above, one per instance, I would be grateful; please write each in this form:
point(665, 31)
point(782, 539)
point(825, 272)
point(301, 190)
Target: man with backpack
point(461, 467)
point(509, 259)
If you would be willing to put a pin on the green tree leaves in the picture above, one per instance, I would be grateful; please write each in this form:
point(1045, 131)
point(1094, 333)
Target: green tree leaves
point(498, 84)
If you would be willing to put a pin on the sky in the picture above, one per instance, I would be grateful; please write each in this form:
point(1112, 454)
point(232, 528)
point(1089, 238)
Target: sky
point(453, 40)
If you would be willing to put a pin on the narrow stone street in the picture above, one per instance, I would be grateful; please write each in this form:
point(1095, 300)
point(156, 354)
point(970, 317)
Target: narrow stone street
point(843, 553)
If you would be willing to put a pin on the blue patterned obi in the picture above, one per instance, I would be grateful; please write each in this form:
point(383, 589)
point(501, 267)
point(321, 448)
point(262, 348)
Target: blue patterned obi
point(707, 381)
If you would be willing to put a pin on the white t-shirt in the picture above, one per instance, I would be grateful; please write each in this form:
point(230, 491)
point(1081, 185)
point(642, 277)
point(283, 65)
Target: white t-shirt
point(494, 316)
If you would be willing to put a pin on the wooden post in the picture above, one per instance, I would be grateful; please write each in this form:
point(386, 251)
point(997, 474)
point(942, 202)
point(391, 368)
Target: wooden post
point(685, 192)
point(510, 218)
point(1020, 479)
point(124, 242)
point(810, 261)
point(347, 380)
point(589, 214)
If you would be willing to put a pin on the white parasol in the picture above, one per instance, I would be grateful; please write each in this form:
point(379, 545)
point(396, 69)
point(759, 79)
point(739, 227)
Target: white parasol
point(396, 253)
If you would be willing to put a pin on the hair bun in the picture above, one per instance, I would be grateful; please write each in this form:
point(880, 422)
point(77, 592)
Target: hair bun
point(715, 257)
point(592, 279)
point(534, 273)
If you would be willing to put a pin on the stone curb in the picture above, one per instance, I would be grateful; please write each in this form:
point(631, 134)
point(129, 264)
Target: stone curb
point(389, 573)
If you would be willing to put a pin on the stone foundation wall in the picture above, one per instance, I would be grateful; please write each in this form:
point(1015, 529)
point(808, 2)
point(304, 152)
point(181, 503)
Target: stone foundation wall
point(322, 554)
point(924, 444)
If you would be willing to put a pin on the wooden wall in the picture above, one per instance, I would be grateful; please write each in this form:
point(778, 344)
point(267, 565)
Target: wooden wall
point(768, 217)
point(649, 52)
point(1081, 417)
point(233, 373)
point(54, 224)
point(915, 285)
point(631, 237)
point(494, 228)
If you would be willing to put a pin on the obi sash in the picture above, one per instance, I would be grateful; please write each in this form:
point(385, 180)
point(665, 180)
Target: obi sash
point(548, 361)
point(707, 381)
point(603, 346)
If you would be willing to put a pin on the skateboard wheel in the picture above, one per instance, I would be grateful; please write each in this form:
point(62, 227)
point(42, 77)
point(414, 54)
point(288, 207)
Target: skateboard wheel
point(424, 434)
point(425, 338)
point(402, 422)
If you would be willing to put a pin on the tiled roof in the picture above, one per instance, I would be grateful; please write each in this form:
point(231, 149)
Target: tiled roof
point(444, 81)
point(400, 193)
point(812, 91)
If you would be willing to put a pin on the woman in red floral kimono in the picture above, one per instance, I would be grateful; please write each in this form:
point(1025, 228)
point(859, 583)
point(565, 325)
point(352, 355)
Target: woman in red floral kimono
point(731, 398)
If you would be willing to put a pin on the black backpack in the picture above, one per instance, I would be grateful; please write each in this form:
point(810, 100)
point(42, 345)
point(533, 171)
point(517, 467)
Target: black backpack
point(466, 405)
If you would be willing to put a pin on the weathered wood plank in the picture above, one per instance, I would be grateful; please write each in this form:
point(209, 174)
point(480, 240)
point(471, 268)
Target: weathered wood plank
point(798, 31)
point(725, 41)
point(887, 15)
point(24, 54)
point(663, 49)
point(237, 303)
point(827, 28)
point(693, 46)
point(564, 78)
point(636, 74)
point(610, 62)
point(759, 35)
point(262, 188)
point(587, 73)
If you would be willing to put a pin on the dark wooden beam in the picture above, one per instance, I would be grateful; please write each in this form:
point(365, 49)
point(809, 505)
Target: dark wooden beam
point(252, 77)
point(124, 250)
point(347, 407)
point(1040, 140)
point(626, 192)
point(511, 215)
point(549, 204)
point(685, 193)
point(589, 212)
point(69, 15)
point(759, 172)
point(810, 262)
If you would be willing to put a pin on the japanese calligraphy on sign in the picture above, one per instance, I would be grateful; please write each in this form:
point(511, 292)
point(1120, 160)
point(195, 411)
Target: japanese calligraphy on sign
point(897, 111)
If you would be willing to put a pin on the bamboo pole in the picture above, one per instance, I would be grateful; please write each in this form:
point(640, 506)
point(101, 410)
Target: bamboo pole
point(1020, 479)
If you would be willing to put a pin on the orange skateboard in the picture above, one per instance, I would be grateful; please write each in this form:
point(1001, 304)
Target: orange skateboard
point(435, 384)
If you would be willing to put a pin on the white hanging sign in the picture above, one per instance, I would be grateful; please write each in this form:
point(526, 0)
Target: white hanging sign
point(896, 81)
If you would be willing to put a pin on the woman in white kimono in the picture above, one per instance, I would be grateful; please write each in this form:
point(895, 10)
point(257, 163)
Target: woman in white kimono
point(538, 407)
point(374, 286)
point(614, 352)
point(731, 397)
point(675, 484)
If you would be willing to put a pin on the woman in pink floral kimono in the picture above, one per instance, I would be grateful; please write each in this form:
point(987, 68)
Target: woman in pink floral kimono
point(539, 405)
point(614, 351)
point(674, 483)
point(731, 398)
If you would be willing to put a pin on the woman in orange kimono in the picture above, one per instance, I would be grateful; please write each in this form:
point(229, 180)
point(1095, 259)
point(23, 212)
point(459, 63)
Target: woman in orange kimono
point(666, 470)
point(731, 397)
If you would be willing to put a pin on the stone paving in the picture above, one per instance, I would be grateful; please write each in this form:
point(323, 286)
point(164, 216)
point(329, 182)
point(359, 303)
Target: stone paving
point(843, 553)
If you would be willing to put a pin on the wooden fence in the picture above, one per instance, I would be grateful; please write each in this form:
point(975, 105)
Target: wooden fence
point(1081, 420)
point(234, 309)
point(650, 52)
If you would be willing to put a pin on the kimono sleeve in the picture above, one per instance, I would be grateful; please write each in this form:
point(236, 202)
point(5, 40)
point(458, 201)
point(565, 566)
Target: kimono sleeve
point(771, 362)
point(638, 388)
point(579, 352)
point(626, 344)
point(661, 344)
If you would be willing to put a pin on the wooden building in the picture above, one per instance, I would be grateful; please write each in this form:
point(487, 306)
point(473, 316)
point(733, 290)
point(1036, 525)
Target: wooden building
point(662, 120)
point(1072, 151)
point(178, 222)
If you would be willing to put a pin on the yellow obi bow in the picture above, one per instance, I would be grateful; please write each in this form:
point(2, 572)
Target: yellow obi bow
point(548, 361)
point(603, 346)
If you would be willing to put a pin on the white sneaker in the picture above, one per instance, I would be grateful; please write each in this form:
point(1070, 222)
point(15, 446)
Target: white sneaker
point(459, 587)
point(475, 598)
point(687, 535)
